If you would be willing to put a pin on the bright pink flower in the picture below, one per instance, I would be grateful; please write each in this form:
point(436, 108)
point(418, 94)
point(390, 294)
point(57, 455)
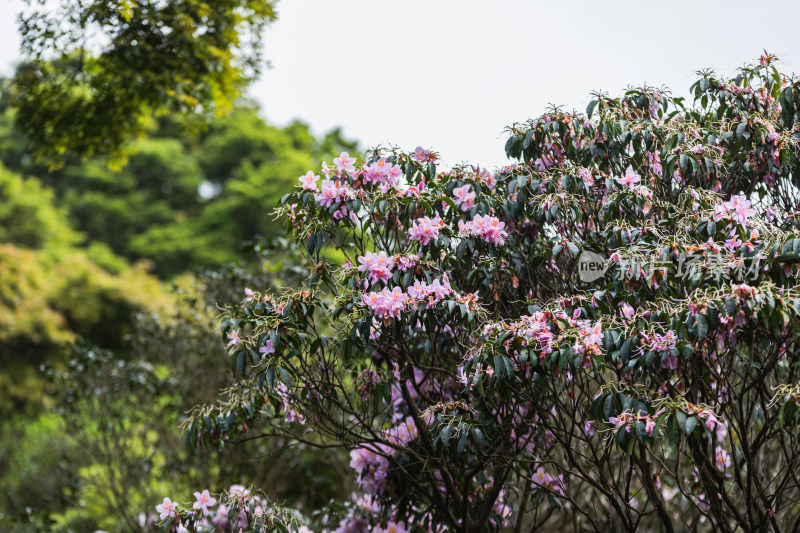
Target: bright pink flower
point(421, 155)
point(386, 304)
point(487, 228)
point(464, 197)
point(378, 266)
point(426, 230)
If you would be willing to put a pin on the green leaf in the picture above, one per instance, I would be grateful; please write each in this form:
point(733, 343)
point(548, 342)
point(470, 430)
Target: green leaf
point(477, 436)
point(702, 326)
point(590, 108)
point(609, 408)
point(673, 433)
point(241, 362)
point(689, 425)
point(462, 441)
point(444, 435)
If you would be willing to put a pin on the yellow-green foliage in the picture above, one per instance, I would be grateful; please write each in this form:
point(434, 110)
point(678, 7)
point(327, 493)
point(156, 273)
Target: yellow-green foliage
point(53, 291)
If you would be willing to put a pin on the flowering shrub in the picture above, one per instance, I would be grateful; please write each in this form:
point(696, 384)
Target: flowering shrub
point(482, 380)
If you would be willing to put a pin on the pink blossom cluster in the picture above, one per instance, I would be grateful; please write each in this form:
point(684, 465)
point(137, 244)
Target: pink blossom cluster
point(433, 293)
point(586, 175)
point(372, 463)
point(422, 155)
point(591, 337)
point(711, 421)
point(533, 329)
point(372, 467)
point(425, 230)
point(386, 304)
point(209, 518)
point(464, 197)
point(661, 343)
point(481, 175)
point(627, 419)
point(545, 481)
point(333, 191)
point(486, 228)
point(291, 415)
point(383, 173)
point(738, 209)
point(378, 266)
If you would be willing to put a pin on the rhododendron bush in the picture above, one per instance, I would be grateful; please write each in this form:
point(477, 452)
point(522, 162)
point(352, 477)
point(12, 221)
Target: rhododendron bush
point(482, 381)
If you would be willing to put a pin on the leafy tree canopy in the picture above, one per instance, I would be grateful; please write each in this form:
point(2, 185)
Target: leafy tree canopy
point(96, 72)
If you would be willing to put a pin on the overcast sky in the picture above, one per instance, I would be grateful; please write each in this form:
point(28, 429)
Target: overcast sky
point(450, 75)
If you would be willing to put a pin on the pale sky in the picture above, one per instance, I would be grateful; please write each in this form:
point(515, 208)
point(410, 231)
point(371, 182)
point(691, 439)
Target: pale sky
point(450, 75)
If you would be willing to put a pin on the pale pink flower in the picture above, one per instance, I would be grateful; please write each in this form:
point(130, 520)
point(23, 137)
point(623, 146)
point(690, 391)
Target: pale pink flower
point(544, 480)
point(629, 179)
point(309, 181)
point(426, 230)
point(204, 499)
point(378, 266)
point(464, 197)
point(267, 349)
point(235, 340)
point(723, 460)
point(344, 163)
point(166, 509)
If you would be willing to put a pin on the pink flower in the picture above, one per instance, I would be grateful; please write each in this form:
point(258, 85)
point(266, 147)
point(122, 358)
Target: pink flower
point(344, 163)
point(421, 155)
point(739, 206)
point(586, 175)
point(267, 349)
point(378, 266)
point(425, 230)
point(419, 291)
point(309, 181)
point(487, 228)
point(629, 179)
point(655, 163)
point(649, 426)
point(386, 304)
point(595, 335)
point(332, 192)
point(392, 527)
point(464, 198)
point(235, 340)
point(204, 499)
point(627, 311)
point(544, 480)
point(166, 509)
point(723, 460)
point(415, 190)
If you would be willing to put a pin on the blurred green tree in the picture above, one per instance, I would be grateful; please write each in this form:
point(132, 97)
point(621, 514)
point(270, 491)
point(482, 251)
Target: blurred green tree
point(97, 71)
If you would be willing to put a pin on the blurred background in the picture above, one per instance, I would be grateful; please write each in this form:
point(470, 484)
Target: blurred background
point(143, 146)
